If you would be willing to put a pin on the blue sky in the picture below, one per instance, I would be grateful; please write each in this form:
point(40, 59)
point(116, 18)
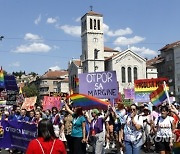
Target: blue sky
point(43, 34)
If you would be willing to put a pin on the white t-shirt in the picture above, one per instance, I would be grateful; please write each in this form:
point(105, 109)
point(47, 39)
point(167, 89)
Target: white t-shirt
point(130, 132)
point(164, 126)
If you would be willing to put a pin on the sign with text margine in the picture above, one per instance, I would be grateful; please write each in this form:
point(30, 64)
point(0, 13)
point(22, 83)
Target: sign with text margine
point(99, 84)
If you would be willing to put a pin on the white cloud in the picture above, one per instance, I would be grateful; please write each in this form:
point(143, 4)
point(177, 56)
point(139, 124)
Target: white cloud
point(34, 47)
point(71, 30)
point(128, 41)
point(105, 28)
point(56, 47)
point(15, 64)
point(78, 19)
point(120, 32)
point(51, 20)
point(31, 37)
point(144, 51)
point(54, 68)
point(37, 20)
point(118, 49)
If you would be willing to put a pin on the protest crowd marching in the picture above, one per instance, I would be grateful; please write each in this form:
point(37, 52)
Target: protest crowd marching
point(127, 129)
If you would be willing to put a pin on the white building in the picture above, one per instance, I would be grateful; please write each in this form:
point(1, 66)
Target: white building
point(128, 65)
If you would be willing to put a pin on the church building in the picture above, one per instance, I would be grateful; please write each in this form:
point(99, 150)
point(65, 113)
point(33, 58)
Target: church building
point(95, 57)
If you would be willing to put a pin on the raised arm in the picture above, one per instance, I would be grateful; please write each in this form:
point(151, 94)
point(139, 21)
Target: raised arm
point(68, 109)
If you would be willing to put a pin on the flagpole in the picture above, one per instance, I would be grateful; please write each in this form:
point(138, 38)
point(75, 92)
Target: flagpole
point(167, 94)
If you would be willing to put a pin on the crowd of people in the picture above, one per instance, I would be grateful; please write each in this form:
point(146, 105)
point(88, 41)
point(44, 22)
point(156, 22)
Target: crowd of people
point(128, 129)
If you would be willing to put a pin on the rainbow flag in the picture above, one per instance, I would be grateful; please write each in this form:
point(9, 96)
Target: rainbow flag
point(158, 96)
point(1, 78)
point(88, 102)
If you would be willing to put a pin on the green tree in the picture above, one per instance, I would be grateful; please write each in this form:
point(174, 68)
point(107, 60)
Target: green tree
point(33, 74)
point(30, 90)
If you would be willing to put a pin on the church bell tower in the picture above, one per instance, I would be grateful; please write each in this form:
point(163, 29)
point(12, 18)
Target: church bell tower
point(92, 38)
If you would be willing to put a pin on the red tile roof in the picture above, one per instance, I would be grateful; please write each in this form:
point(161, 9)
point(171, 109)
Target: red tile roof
point(77, 62)
point(154, 61)
point(111, 57)
point(94, 13)
point(107, 49)
point(55, 74)
point(170, 46)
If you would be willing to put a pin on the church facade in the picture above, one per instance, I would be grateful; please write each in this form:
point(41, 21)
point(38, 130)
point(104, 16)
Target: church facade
point(95, 57)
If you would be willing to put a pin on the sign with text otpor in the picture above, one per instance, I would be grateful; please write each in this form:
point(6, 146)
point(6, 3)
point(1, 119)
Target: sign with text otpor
point(99, 84)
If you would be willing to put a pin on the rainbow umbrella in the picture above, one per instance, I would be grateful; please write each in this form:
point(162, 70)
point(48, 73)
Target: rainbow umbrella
point(88, 102)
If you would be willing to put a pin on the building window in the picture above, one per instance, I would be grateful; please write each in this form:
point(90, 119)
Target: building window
point(135, 73)
point(123, 74)
point(75, 83)
point(169, 57)
point(55, 83)
point(43, 82)
point(169, 68)
point(91, 24)
point(129, 75)
point(178, 77)
point(98, 24)
point(95, 54)
point(72, 81)
point(55, 90)
point(95, 39)
point(85, 24)
point(178, 89)
point(94, 24)
point(82, 26)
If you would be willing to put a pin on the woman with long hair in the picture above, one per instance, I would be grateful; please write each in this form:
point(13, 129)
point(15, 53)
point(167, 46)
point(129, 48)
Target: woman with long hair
point(46, 142)
point(78, 133)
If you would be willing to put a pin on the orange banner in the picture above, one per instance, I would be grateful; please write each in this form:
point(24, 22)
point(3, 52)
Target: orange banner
point(28, 103)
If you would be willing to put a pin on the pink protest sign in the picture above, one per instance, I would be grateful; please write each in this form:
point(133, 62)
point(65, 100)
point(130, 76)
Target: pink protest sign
point(50, 102)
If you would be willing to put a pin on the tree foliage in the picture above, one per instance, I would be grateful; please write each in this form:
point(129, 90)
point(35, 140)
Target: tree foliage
point(30, 90)
point(20, 73)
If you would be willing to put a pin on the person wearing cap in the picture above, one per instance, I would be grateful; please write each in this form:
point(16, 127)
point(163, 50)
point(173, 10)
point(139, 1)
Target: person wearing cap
point(96, 136)
point(147, 122)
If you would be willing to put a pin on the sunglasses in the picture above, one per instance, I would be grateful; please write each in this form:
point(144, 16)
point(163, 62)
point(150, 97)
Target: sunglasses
point(132, 109)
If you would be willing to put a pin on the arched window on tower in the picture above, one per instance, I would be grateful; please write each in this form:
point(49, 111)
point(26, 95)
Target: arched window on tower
point(94, 24)
point(84, 24)
point(82, 27)
point(91, 24)
point(99, 25)
point(129, 75)
point(123, 74)
point(135, 73)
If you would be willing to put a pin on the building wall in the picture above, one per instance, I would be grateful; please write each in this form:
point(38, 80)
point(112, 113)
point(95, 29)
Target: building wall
point(167, 68)
point(63, 87)
point(129, 60)
point(73, 71)
point(177, 70)
point(151, 73)
point(48, 85)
